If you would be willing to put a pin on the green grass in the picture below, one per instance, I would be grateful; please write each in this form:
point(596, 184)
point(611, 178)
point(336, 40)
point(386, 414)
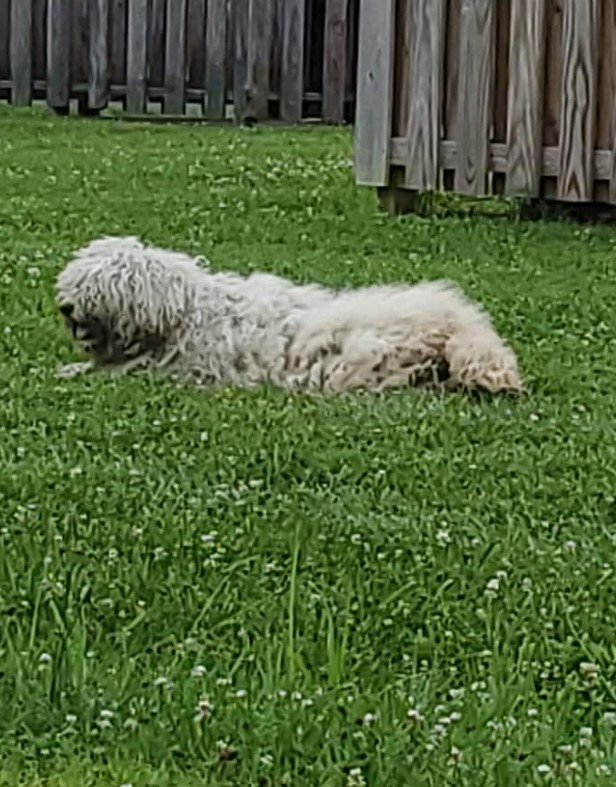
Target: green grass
point(314, 569)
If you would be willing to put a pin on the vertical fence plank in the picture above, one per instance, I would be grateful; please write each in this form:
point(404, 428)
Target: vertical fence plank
point(216, 37)
point(117, 57)
point(79, 50)
point(474, 96)
point(501, 84)
point(58, 53)
point(156, 42)
point(175, 57)
point(39, 41)
point(552, 85)
point(21, 49)
point(136, 63)
point(452, 61)
point(241, 12)
point(426, 88)
point(292, 87)
point(5, 46)
point(335, 61)
point(260, 42)
point(98, 81)
point(525, 111)
point(195, 59)
point(374, 92)
point(579, 91)
point(606, 117)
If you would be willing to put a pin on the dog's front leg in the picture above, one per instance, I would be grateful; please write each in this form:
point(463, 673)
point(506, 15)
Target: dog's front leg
point(71, 370)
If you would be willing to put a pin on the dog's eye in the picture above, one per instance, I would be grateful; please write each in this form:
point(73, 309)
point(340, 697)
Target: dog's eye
point(67, 309)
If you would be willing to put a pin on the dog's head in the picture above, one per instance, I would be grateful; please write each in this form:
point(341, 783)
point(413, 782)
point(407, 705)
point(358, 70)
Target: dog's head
point(119, 298)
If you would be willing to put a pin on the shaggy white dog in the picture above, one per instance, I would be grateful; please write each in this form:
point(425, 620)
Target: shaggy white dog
point(131, 306)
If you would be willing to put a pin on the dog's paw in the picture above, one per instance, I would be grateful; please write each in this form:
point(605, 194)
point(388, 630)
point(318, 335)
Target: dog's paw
point(71, 370)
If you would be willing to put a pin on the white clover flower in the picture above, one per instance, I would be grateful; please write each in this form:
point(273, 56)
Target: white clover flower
point(45, 658)
point(198, 671)
point(414, 716)
point(543, 769)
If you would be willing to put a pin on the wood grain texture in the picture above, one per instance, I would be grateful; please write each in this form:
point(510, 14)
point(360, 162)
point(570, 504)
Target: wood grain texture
point(216, 37)
point(292, 87)
point(58, 53)
point(98, 80)
point(525, 109)
point(260, 34)
point(335, 61)
point(157, 10)
point(426, 89)
point(175, 57)
point(374, 93)
point(241, 17)
point(579, 91)
point(118, 54)
point(497, 157)
point(21, 52)
point(475, 95)
point(136, 56)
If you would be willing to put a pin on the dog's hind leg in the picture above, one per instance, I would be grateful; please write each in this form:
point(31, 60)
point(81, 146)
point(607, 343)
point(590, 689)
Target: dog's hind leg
point(481, 360)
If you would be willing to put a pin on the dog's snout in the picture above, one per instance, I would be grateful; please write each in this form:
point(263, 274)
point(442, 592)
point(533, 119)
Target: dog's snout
point(67, 309)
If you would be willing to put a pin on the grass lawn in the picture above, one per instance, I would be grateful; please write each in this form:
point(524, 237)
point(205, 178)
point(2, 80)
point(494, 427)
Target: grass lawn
point(255, 588)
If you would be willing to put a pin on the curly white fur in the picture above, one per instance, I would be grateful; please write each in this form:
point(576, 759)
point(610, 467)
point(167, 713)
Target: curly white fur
point(133, 306)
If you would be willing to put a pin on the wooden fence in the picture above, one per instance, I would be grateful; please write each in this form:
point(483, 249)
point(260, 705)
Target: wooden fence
point(513, 97)
point(266, 58)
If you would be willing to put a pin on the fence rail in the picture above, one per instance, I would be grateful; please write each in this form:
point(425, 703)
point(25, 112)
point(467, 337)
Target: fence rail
point(263, 58)
point(514, 97)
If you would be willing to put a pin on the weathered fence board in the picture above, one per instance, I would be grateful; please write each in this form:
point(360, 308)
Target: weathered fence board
point(335, 66)
point(579, 89)
point(521, 102)
point(241, 18)
point(525, 97)
point(291, 90)
point(156, 42)
point(98, 82)
point(195, 49)
point(502, 12)
point(175, 53)
point(137, 61)
point(474, 95)
point(5, 34)
point(426, 80)
point(21, 52)
point(260, 44)
point(266, 57)
point(374, 92)
point(58, 53)
point(215, 59)
point(118, 56)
